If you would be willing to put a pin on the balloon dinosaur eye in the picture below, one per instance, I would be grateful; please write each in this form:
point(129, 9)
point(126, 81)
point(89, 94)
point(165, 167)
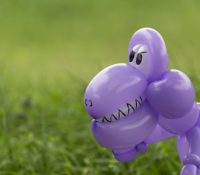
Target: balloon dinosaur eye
point(131, 56)
point(139, 58)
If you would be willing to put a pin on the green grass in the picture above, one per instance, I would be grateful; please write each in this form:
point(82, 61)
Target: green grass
point(49, 51)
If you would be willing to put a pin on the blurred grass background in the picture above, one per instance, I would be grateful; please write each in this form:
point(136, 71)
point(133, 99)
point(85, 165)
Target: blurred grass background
point(50, 50)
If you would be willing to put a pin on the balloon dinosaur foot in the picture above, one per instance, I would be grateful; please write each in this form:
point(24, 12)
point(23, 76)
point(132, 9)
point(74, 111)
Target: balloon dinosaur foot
point(130, 154)
point(191, 165)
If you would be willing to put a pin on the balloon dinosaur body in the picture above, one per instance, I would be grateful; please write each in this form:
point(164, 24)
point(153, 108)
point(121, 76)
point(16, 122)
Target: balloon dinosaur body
point(141, 102)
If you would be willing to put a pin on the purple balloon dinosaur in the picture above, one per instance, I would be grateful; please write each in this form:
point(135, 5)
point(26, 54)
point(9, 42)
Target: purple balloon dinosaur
point(142, 102)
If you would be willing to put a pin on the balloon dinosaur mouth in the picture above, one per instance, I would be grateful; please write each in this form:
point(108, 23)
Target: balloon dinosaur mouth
point(123, 112)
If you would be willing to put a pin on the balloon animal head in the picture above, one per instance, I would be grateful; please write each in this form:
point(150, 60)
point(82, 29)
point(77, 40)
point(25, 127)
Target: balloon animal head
point(134, 104)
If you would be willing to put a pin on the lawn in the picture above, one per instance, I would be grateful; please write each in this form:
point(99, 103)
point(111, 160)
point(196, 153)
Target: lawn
point(50, 50)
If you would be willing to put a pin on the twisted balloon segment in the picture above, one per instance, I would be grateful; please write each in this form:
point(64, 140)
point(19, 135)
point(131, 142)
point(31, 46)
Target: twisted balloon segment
point(141, 102)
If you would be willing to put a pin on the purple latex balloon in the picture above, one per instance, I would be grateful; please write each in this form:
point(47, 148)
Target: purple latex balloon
point(141, 102)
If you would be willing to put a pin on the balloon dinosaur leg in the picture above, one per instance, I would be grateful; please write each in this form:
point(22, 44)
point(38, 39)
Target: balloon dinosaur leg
point(183, 147)
point(191, 162)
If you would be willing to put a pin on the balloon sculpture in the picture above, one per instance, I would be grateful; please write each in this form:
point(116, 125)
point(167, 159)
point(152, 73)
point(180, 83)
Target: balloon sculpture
point(138, 103)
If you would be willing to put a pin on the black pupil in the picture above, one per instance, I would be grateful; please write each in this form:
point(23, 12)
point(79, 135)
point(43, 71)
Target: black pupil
point(131, 56)
point(139, 59)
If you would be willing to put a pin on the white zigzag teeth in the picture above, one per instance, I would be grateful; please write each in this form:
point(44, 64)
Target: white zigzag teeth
point(122, 112)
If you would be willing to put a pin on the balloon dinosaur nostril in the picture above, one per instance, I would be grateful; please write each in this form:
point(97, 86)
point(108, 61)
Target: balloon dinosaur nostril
point(88, 103)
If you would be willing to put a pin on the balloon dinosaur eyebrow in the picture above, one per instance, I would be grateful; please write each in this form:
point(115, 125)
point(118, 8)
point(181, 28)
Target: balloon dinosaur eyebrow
point(143, 52)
